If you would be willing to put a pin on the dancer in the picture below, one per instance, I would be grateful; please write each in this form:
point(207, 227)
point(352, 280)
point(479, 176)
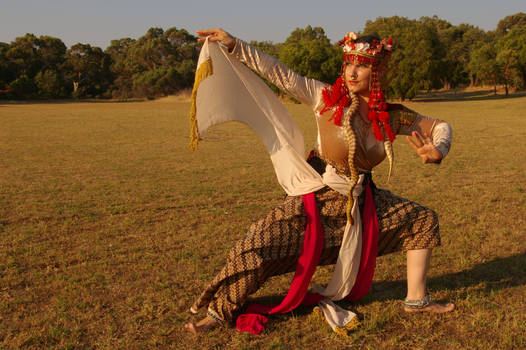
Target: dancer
point(355, 130)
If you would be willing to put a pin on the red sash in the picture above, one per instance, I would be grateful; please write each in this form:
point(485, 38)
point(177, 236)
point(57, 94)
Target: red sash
point(253, 320)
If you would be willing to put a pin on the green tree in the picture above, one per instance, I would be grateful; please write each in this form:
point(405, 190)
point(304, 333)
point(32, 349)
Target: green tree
point(4, 69)
point(151, 50)
point(509, 65)
point(29, 57)
point(483, 65)
point(267, 47)
point(88, 71)
point(184, 58)
point(158, 63)
point(416, 60)
point(50, 80)
point(122, 67)
point(509, 22)
point(24, 57)
point(456, 43)
point(50, 84)
point(52, 52)
point(309, 52)
point(23, 63)
point(22, 87)
point(513, 45)
point(156, 82)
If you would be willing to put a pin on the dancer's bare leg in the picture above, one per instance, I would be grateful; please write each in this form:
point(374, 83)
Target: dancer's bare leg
point(417, 266)
point(201, 326)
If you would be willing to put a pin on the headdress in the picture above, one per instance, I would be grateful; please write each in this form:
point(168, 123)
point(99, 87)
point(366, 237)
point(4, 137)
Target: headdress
point(374, 54)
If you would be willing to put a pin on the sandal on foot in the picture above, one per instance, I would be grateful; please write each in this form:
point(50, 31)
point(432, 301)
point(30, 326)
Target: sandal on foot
point(419, 303)
point(427, 304)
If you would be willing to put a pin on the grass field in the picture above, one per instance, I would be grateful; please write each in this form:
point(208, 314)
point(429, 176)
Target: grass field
point(110, 228)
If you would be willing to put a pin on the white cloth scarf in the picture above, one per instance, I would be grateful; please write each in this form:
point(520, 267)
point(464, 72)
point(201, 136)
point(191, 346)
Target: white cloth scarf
point(234, 93)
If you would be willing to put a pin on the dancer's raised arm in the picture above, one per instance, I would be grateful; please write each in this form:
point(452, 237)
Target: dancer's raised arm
point(305, 90)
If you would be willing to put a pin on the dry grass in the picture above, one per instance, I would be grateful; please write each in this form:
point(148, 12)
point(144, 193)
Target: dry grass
point(110, 228)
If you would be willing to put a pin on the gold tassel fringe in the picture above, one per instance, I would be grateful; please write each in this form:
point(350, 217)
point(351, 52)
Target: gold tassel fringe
point(344, 331)
point(348, 328)
point(203, 71)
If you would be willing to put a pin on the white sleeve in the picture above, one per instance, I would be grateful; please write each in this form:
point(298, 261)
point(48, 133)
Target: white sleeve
point(305, 90)
point(442, 135)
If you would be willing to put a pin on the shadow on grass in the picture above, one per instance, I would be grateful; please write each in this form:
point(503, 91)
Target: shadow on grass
point(496, 274)
point(479, 95)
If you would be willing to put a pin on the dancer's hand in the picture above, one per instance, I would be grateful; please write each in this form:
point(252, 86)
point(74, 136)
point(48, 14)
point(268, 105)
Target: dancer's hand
point(424, 147)
point(217, 34)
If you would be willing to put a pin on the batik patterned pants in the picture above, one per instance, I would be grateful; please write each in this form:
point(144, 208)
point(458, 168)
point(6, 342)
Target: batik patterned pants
point(273, 243)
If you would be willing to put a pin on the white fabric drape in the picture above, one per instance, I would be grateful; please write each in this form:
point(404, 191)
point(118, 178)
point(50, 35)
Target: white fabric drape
point(234, 93)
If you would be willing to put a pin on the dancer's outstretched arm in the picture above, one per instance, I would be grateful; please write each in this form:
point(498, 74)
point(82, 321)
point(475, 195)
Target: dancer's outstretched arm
point(305, 90)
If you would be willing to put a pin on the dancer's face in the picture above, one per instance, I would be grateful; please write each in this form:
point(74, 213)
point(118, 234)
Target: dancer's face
point(357, 77)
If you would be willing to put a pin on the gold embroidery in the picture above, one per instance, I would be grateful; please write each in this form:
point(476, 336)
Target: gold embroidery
point(403, 116)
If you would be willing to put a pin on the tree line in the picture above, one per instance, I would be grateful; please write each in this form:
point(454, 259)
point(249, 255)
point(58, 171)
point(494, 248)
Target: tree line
point(430, 53)
point(158, 63)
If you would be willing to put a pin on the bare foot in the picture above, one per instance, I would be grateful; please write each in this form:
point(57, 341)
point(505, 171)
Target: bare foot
point(434, 308)
point(201, 326)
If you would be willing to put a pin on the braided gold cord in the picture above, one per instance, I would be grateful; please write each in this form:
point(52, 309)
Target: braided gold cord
point(351, 142)
point(390, 156)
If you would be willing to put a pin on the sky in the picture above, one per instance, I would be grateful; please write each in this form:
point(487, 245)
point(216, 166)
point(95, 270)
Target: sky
point(97, 22)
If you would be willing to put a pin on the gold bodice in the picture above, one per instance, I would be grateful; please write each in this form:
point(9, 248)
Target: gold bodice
point(333, 147)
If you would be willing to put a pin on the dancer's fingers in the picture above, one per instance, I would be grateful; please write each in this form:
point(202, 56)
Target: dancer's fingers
point(418, 137)
point(206, 32)
point(411, 142)
point(210, 38)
